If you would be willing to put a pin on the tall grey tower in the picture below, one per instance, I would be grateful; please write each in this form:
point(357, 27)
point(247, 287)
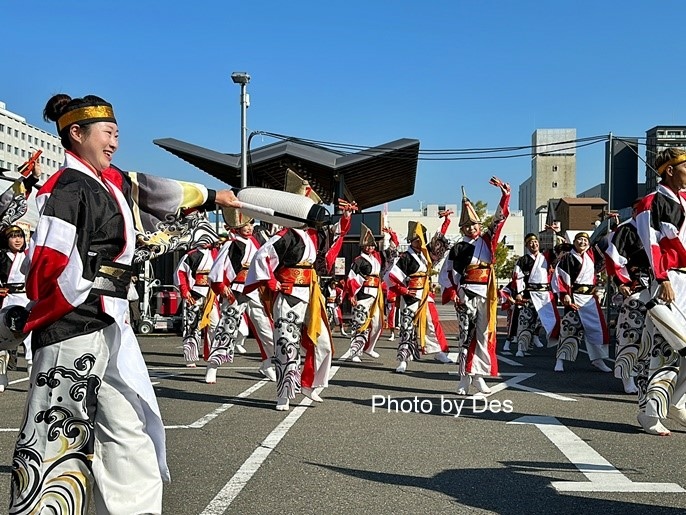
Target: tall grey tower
point(659, 138)
point(553, 174)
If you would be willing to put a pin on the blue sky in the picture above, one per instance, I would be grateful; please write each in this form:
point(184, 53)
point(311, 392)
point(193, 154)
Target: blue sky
point(452, 74)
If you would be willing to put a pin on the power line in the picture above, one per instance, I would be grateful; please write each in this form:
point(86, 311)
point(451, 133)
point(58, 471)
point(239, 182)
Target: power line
point(443, 154)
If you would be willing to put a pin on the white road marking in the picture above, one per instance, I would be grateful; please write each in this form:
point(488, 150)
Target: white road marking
point(230, 491)
point(602, 476)
point(509, 361)
point(453, 356)
point(514, 381)
point(201, 422)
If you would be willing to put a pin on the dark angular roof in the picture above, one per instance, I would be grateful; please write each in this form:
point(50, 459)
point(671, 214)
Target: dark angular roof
point(370, 177)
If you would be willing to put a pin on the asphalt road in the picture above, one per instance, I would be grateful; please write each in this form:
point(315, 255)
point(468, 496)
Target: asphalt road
point(382, 442)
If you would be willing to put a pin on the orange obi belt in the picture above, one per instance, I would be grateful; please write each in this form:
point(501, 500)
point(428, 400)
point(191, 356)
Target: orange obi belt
point(372, 281)
point(298, 275)
point(477, 274)
point(202, 278)
point(331, 300)
point(241, 276)
point(417, 282)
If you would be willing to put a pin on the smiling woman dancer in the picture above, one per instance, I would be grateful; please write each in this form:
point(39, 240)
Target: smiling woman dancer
point(92, 424)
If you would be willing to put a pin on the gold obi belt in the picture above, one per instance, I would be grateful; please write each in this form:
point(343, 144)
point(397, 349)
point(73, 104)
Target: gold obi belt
point(241, 276)
point(202, 278)
point(584, 289)
point(417, 282)
point(331, 300)
point(477, 274)
point(297, 275)
point(372, 281)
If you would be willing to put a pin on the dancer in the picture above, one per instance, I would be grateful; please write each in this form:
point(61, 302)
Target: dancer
point(240, 311)
point(660, 223)
point(468, 272)
point(511, 308)
point(13, 205)
point(420, 328)
point(536, 301)
point(285, 265)
point(334, 293)
point(191, 277)
point(13, 291)
point(627, 263)
point(576, 279)
point(92, 426)
point(366, 296)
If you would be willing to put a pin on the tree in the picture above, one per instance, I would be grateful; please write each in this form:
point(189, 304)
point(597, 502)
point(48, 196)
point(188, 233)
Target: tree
point(505, 270)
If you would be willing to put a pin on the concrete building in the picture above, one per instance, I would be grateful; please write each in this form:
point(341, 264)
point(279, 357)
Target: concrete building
point(553, 174)
point(658, 138)
point(621, 183)
point(579, 214)
point(18, 141)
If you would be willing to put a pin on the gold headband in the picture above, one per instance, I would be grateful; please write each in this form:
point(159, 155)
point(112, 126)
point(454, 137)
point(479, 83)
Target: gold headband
point(101, 113)
point(672, 162)
point(527, 240)
point(582, 235)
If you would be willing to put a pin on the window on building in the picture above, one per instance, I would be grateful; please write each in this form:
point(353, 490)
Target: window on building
point(2, 128)
point(554, 184)
point(16, 151)
point(9, 149)
point(2, 164)
point(23, 136)
point(554, 168)
point(16, 133)
point(23, 153)
point(2, 146)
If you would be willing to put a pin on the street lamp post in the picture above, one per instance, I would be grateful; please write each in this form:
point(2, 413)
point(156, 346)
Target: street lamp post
point(243, 78)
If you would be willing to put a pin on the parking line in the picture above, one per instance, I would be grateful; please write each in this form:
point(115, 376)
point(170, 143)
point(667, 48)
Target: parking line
point(201, 422)
point(230, 491)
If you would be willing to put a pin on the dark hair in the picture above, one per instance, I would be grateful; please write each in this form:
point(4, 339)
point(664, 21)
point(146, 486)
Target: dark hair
point(5, 240)
point(63, 103)
point(665, 156)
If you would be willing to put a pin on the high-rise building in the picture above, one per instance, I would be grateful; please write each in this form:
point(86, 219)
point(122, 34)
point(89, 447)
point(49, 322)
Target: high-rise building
point(622, 181)
point(658, 138)
point(18, 141)
point(553, 174)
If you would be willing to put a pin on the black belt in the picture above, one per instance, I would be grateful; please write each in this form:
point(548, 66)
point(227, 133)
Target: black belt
point(16, 287)
point(584, 289)
point(537, 287)
point(112, 280)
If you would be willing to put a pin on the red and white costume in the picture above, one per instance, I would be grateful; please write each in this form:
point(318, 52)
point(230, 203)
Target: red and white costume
point(627, 263)
point(467, 273)
point(420, 328)
point(88, 367)
point(532, 281)
point(245, 311)
point(364, 284)
point(661, 224)
point(192, 276)
point(576, 276)
point(299, 311)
